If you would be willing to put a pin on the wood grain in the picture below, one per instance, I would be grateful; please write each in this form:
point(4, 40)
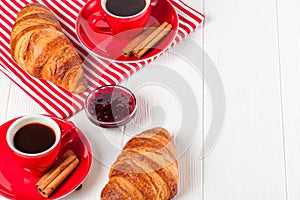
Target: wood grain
point(248, 161)
point(5, 85)
point(289, 59)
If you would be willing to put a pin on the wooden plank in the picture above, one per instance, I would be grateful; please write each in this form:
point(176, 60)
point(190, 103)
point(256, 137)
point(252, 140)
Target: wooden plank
point(106, 143)
point(169, 94)
point(21, 104)
point(248, 160)
point(158, 102)
point(5, 85)
point(289, 49)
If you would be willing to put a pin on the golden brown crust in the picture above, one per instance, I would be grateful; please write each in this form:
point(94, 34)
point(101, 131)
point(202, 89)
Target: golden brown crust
point(146, 168)
point(32, 8)
point(120, 188)
point(40, 47)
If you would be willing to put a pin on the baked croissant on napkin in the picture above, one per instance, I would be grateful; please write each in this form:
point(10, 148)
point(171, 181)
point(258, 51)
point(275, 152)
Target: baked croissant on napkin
point(40, 47)
point(146, 169)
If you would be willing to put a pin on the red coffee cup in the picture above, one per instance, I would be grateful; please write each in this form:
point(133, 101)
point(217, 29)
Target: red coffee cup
point(110, 21)
point(34, 154)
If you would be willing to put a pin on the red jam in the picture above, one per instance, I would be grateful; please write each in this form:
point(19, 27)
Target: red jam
point(112, 106)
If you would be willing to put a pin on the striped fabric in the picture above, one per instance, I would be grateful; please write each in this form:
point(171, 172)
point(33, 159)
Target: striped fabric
point(59, 102)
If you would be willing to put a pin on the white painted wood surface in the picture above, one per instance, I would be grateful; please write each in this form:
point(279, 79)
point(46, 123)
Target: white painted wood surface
point(248, 162)
point(255, 46)
point(289, 51)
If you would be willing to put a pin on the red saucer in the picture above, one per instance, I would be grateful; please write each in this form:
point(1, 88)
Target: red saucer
point(16, 184)
point(110, 47)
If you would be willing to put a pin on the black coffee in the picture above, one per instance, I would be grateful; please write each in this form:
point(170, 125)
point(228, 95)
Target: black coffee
point(34, 138)
point(125, 7)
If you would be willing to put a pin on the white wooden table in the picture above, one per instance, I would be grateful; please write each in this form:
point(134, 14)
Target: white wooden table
point(255, 46)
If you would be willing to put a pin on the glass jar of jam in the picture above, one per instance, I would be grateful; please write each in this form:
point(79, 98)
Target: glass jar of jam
point(110, 106)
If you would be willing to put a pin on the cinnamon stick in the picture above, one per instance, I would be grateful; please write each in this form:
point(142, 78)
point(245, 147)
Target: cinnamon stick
point(154, 41)
point(149, 38)
point(49, 172)
point(127, 51)
point(52, 179)
point(59, 179)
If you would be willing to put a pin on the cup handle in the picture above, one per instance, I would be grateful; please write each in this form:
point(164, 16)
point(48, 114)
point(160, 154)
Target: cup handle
point(96, 21)
point(69, 133)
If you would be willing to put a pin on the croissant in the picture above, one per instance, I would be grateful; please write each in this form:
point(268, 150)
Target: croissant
point(40, 47)
point(146, 169)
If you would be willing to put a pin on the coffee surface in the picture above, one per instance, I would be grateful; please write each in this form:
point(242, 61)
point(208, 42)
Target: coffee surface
point(125, 7)
point(34, 138)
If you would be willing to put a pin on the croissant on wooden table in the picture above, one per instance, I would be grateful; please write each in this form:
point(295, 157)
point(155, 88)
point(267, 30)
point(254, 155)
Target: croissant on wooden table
point(40, 47)
point(146, 169)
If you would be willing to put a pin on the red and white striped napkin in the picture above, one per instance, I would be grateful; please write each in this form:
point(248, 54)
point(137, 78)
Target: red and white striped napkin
point(59, 102)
